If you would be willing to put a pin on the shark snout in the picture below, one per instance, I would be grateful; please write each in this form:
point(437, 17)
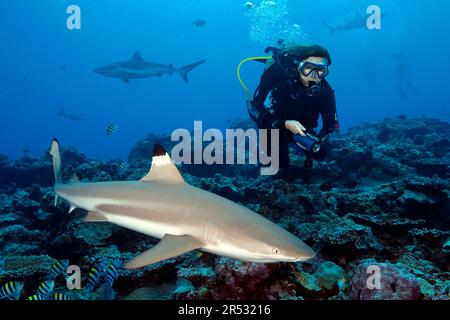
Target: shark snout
point(99, 70)
point(306, 254)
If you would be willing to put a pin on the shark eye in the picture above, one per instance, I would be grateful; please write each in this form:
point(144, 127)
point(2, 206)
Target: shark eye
point(276, 251)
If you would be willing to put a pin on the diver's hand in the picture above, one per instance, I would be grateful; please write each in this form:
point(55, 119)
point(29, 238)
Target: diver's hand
point(295, 127)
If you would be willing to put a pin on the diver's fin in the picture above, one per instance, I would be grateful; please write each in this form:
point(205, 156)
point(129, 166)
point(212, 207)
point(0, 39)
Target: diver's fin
point(126, 80)
point(94, 217)
point(137, 56)
point(186, 69)
point(163, 169)
point(170, 246)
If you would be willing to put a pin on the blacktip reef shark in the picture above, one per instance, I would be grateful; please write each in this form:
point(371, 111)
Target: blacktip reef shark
point(138, 68)
point(185, 218)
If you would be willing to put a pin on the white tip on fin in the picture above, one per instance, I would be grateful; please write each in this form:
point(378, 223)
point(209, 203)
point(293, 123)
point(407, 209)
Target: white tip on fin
point(75, 179)
point(163, 169)
point(56, 159)
point(72, 208)
point(94, 217)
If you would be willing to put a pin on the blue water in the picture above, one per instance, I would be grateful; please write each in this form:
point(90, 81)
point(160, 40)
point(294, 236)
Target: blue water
point(44, 66)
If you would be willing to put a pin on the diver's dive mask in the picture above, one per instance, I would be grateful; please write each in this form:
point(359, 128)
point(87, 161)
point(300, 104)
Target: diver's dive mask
point(307, 68)
point(321, 70)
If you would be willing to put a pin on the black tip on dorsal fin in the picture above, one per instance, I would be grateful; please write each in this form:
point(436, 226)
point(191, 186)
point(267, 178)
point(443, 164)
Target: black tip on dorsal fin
point(55, 140)
point(159, 150)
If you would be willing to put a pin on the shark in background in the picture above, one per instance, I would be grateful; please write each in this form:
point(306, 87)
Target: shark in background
point(185, 218)
point(138, 68)
point(359, 21)
point(70, 115)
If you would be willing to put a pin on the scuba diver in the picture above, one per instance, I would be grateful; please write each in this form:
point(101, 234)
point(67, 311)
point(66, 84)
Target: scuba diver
point(403, 70)
point(292, 94)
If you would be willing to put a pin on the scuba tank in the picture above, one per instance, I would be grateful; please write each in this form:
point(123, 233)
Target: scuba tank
point(282, 58)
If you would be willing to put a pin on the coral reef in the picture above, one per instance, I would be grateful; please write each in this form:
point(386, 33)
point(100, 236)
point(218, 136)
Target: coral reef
point(378, 201)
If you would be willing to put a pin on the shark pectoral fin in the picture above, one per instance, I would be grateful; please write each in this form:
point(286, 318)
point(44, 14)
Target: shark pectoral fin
point(95, 217)
point(170, 246)
point(126, 80)
point(163, 169)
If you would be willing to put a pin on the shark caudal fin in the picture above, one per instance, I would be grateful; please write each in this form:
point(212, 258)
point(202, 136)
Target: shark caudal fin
point(186, 69)
point(57, 164)
point(330, 28)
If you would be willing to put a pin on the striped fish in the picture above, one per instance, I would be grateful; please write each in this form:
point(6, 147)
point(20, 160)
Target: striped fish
point(11, 290)
point(93, 278)
point(111, 129)
point(37, 297)
point(60, 296)
point(123, 168)
point(59, 267)
point(46, 287)
point(3, 278)
point(2, 265)
point(111, 273)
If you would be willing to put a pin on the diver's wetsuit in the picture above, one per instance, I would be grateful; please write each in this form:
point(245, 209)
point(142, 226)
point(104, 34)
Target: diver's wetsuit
point(281, 97)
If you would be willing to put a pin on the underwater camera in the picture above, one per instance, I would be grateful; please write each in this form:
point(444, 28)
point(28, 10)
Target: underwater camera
point(308, 143)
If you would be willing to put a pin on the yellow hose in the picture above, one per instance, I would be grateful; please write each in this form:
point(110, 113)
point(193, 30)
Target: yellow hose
point(239, 72)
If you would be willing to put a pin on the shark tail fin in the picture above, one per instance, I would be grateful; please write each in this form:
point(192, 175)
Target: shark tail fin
point(330, 28)
point(57, 164)
point(186, 69)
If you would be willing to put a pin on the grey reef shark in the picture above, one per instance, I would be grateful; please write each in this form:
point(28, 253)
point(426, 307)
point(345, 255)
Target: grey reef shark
point(138, 68)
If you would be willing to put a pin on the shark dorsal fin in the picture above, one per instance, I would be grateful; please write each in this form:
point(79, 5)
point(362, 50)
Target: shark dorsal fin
point(163, 169)
point(137, 56)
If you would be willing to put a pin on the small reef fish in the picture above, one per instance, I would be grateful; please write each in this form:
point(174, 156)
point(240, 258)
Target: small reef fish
point(58, 268)
point(123, 168)
point(46, 288)
point(11, 290)
point(59, 297)
point(71, 115)
point(111, 129)
point(93, 278)
point(2, 265)
point(199, 23)
point(36, 297)
point(111, 273)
